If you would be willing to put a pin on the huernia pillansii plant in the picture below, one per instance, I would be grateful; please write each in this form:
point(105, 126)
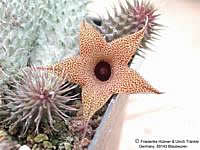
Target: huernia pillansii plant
point(102, 69)
point(35, 95)
point(38, 32)
point(129, 19)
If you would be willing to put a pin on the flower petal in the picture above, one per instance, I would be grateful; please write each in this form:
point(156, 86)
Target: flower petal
point(124, 48)
point(75, 69)
point(92, 42)
point(93, 98)
point(127, 80)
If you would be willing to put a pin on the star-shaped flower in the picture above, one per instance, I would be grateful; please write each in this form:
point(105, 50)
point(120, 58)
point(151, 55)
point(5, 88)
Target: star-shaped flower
point(102, 69)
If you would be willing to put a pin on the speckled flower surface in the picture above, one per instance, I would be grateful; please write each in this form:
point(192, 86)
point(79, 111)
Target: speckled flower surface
point(102, 68)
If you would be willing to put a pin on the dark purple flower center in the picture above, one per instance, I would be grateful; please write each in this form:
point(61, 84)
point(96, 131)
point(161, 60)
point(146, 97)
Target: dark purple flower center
point(102, 71)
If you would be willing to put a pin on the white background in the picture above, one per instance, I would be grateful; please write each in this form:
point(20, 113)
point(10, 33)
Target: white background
point(174, 69)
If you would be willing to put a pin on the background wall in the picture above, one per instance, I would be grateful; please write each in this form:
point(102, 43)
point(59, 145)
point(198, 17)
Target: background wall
point(174, 69)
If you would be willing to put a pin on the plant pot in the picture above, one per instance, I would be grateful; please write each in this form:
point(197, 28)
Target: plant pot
point(107, 136)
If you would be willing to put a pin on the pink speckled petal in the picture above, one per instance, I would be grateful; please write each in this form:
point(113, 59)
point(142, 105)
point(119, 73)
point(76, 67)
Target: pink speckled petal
point(93, 98)
point(124, 48)
point(75, 69)
point(127, 80)
point(92, 43)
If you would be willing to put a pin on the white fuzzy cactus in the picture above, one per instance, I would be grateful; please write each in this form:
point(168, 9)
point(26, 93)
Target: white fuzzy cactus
point(39, 32)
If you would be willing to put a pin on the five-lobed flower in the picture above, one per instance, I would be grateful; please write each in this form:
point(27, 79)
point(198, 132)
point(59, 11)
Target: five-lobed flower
point(102, 69)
